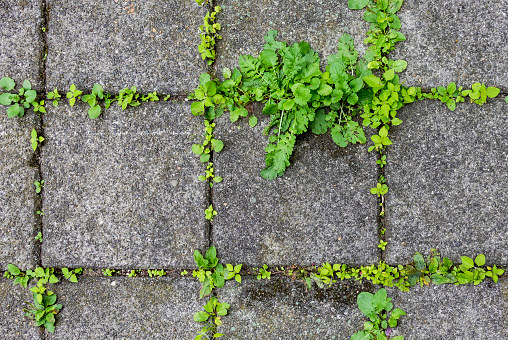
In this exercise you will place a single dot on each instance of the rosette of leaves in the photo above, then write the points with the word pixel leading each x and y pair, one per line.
pixel 17 102
pixel 93 100
pixel 379 309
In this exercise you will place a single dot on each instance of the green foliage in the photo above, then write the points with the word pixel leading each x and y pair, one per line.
pixel 479 93
pixel 209 174
pixel 39 107
pixel 128 97
pixel 381 161
pixel 43 311
pixel 382 245
pixel 133 273
pixel 35 140
pixel 39 237
pixel 210 213
pixel 55 96
pixel 213 310
pixel 20 101
pixel 209 29
pixel 151 97
pixel 234 272
pixel 72 275
pixel 155 273
pixel 209 143
pixel 73 94
pixel 108 272
pixel 263 272
pixel 379 190
pixel 379 309
pixel 38 186
pixel 93 101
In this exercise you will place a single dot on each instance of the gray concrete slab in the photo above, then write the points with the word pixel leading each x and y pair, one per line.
pixel 122 190
pixel 18 170
pixel 245 23
pixel 453 312
pixel 460 41
pixel 447 174
pixel 127 308
pixel 283 309
pixel 21 42
pixel 13 323
pixel 151 44
pixel 320 210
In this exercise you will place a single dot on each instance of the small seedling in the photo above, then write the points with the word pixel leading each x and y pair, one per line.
pixel 73 94
pixel 40 213
pixel 155 272
pixel 382 244
pixel 210 213
pixel 38 186
pixel 55 96
pixel 150 97
pixel 381 161
pixel 39 237
pixel 108 272
pixel 263 272
pixel 210 29
pixel 379 190
pixel 39 107
pixel 167 97
pixel 92 99
pixel 133 273
pixel 128 97
pixel 18 102
pixel 43 310
pixel 183 273
pixel 71 275
pixel 234 272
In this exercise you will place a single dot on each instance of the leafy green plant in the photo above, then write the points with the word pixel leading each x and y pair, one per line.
pixel 210 272
pixel 210 175
pixel 382 245
pixel 184 272
pixel 150 97
pixel 263 272
pixel 133 273
pixel 39 212
pixel 381 161
pixel 233 272
pixel 209 29
pixel 379 309
pixel 55 96
pixel 155 273
pixel 209 143
pixel 18 102
pixel 379 190
pixel 479 93
pixel 35 140
pixel 167 97
pixel 108 272
pixel 210 213
pixel 71 274
pixel 73 94
pixel 39 237
pixel 38 186
pixel 128 96
pixel 43 311
pixel 213 310
pixel 92 99
pixel 39 107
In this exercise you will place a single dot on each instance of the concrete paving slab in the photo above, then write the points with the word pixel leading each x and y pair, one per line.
pixel 460 41
pixel 245 23
pixel 18 171
pixel 127 308
pixel 13 324
pixel 453 312
pixel 151 44
pixel 447 174
pixel 320 210
pixel 21 42
pixel 283 309
pixel 122 191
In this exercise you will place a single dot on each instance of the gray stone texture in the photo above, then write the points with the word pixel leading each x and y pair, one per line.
pixel 460 41
pixel 127 308
pixel 121 191
pixel 448 173
pixel 13 323
pixel 151 44
pixel 319 210
pixel 283 309
pixel 453 312
pixel 18 170
pixel 245 23
pixel 21 42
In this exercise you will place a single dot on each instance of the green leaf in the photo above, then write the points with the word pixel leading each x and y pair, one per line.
pixel 13 269
pixel 492 92
pixel 325 90
pixel 13 110
pixel 197 149
pixel 211 254
pixel 451 104
pixel 388 75
pixel 5 99
pixel 94 112
pixel 253 121
pixel 480 260
pixel 53 279
pixel 226 73
pixel 319 125
pixel 218 145
pixel 364 301
pixel 362 335
pixel 30 96
pixel 419 261
pixel 198 108
pixel 269 58
pixel 356 84
pixel 451 88
pixel 302 94
pixel 467 262
pixel 201 316
pixel 222 308
pixel 73 278
pixel 357 4
pixel 394 6
pixel 50 327
pixel 399 65
pixel 372 80
pixel 7 83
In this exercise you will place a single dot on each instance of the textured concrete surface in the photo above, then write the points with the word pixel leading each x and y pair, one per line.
pixel 21 43
pixel 283 309
pixel 151 44
pixel 448 173
pixel 453 312
pixel 321 24
pixel 460 41
pixel 127 308
pixel 320 210
pixel 13 324
pixel 18 170
pixel 122 190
